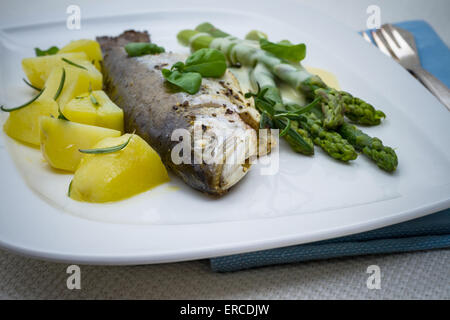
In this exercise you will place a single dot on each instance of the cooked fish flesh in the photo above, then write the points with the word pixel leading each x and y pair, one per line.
pixel 154 109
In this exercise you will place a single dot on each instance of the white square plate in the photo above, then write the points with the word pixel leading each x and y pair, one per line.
pixel 310 199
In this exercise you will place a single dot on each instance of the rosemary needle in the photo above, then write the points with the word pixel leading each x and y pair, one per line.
pixel 73 63
pixel 30 85
pixel 25 104
pixel 61 84
pixel 107 149
pixel 70 188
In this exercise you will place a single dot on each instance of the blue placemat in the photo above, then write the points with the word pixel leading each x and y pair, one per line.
pixel 430 232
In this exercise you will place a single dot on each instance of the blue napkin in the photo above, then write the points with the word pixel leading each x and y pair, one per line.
pixel 429 232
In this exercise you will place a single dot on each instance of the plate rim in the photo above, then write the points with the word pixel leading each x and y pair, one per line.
pixel 443 202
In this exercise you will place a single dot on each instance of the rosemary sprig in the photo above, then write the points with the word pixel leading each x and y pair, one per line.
pixel 30 85
pixel 61 116
pixel 73 63
pixel 91 96
pixel 295 111
pixel 23 105
pixel 70 188
pixel 286 128
pixel 61 84
pixel 94 100
pixel 107 149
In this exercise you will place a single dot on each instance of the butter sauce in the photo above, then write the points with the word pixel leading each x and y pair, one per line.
pixel 287 93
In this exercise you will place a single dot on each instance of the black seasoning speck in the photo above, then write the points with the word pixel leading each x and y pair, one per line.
pixel 175 108
pixel 204 127
pixel 240 107
pixel 185 104
pixel 214 115
pixel 229 111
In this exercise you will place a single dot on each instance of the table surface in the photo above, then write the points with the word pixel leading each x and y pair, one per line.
pixel 419 275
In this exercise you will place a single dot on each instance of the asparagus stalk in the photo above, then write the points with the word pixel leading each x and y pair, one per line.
pixel 385 157
pixel 331 142
pixel 333 103
pixel 269 103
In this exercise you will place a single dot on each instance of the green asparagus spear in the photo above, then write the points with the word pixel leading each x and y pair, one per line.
pixel 210 29
pixel 331 142
pixel 333 103
pixel 383 156
pixel 361 112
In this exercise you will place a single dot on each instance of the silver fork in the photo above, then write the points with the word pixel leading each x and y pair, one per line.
pixel 393 43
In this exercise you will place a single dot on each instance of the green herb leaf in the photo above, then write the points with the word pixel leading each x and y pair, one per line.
pixel 94 100
pixel 178 66
pixel 208 62
pixel 61 84
pixel 284 49
pixel 108 149
pixel 30 85
pixel 137 49
pixel 70 188
pixel 23 105
pixel 189 81
pixel 73 63
pixel 50 51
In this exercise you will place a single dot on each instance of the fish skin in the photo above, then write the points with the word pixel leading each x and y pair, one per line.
pixel 154 109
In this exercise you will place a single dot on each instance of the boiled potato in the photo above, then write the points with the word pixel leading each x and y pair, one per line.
pixel 38 69
pixel 90 47
pixel 103 114
pixel 62 139
pixel 117 175
pixel 23 124
pixel 77 82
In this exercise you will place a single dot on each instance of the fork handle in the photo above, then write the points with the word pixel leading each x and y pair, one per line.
pixel 433 84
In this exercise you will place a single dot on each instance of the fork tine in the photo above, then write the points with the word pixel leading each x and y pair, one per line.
pixel 388 28
pixel 366 37
pixel 391 43
pixel 380 44
pixel 399 38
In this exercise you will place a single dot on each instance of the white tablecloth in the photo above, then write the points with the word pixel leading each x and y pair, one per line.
pixel 419 275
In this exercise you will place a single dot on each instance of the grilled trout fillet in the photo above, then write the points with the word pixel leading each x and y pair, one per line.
pixel 155 109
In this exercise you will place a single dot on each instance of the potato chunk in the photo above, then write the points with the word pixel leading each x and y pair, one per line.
pixel 118 175
pixel 61 139
pixel 104 113
pixel 23 124
pixel 38 69
pixel 77 82
pixel 90 47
